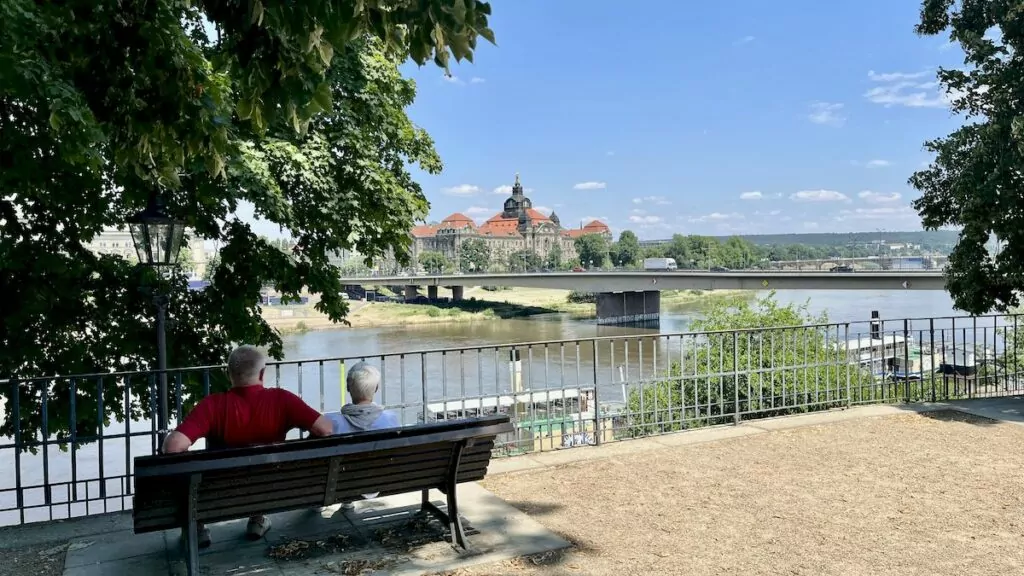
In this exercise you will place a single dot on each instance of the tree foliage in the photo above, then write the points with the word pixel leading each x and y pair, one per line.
pixel 524 261
pixel 592 248
pixel 433 262
pixel 553 259
pixel 299 113
pixel 739 360
pixel 474 255
pixel 627 249
pixel 975 181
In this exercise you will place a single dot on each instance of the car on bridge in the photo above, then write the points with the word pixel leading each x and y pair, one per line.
pixel 843 268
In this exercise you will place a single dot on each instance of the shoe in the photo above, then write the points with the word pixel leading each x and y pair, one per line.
pixel 257 527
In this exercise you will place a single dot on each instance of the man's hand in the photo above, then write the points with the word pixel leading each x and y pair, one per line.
pixel 176 442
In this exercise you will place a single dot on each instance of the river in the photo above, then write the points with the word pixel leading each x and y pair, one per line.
pixel 840 305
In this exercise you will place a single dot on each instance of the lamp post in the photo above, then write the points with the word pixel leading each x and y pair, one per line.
pixel 157 238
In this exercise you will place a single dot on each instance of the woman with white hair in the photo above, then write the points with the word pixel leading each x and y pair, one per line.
pixel 363 382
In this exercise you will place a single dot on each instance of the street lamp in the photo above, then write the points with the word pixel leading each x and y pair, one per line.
pixel 157 238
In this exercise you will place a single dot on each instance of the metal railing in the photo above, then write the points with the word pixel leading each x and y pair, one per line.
pixel 70 440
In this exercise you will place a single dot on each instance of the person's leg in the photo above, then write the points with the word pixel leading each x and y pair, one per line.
pixel 257 527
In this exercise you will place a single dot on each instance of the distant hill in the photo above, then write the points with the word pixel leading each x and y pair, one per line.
pixel 939 239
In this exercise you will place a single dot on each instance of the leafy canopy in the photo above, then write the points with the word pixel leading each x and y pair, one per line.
pixel 296 110
pixel 975 181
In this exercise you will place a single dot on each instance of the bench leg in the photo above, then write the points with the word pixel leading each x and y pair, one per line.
pixel 191 529
pixel 451 518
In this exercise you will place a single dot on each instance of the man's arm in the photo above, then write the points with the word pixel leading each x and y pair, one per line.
pixel 301 415
pixel 195 426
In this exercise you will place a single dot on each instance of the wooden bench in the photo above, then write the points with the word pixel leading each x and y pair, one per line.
pixel 176 490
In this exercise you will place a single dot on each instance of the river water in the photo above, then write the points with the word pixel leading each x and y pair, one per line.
pixel 444 376
pixel 840 305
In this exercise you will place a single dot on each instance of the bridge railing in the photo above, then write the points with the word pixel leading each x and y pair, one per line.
pixel 70 441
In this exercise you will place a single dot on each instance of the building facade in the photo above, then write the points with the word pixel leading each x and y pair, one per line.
pixel 518 227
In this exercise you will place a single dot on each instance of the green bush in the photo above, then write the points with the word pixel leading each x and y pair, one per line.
pixel 576 297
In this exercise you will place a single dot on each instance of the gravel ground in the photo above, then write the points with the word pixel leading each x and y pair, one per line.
pixel 939 494
pixel 37 560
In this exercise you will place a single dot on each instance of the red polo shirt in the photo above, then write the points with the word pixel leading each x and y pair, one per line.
pixel 247 416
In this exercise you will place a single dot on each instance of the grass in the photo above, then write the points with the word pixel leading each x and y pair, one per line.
pixel 481 304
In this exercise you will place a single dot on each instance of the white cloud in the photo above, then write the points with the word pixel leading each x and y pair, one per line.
pixel 827 113
pixel 639 219
pixel 452 79
pixel 895 76
pixel 478 211
pixel 744 40
pixel 718 217
pixel 755 195
pixel 811 225
pixel 659 200
pixel 476 80
pixel 879 197
pixel 590 186
pixel 878 163
pixel 506 190
pixel 461 190
pixel 769 213
pixel 906 89
pixel 544 210
pixel 819 196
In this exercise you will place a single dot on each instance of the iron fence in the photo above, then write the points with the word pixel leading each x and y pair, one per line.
pixel 70 441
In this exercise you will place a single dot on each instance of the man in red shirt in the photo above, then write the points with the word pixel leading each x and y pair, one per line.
pixel 246 415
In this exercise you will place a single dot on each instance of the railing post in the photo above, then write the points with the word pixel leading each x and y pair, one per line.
pixel 597 405
pixel 423 380
pixel 16 418
pixel 906 361
pixel 846 362
pixel 931 353
pixel 736 377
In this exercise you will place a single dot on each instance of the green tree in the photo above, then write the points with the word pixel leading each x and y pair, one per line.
pixel 738 360
pixel 974 181
pixel 592 250
pixel 434 262
pixel 474 255
pixel 553 259
pixel 298 112
pixel 627 249
pixel 524 261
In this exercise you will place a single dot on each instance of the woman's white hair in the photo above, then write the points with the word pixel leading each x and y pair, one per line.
pixel 363 381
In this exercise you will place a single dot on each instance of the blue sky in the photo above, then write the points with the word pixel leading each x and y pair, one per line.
pixel 737 116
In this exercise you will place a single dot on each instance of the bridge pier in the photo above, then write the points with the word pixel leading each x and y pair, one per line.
pixel 628 307
pixel 411 292
pixel 457 293
pixel 432 293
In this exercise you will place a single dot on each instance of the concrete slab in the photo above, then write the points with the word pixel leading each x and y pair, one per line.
pixel 827 417
pixel 382 536
pixel 1007 409
pixel 702 435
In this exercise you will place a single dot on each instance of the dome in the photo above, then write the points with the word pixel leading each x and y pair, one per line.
pixel 554 218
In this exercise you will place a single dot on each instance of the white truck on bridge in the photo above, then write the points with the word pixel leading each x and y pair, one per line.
pixel 659 264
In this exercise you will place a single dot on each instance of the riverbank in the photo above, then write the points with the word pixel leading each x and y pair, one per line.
pixel 478 305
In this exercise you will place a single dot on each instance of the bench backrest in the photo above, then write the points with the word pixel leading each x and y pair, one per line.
pixel 240 482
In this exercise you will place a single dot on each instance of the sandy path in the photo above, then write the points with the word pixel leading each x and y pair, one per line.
pixel 910 494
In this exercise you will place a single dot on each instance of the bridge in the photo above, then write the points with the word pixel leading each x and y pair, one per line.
pixel 927 262
pixel 635 296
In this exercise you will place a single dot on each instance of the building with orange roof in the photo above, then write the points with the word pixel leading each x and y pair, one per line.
pixel 518 227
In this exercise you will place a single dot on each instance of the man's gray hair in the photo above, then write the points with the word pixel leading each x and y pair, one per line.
pixel 363 380
pixel 244 365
